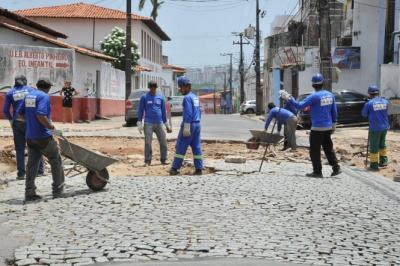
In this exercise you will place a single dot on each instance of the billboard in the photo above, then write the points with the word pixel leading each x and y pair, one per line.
pixel 35 61
pixel 347 57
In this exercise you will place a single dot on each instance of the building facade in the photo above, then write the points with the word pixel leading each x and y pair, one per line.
pixel 87 25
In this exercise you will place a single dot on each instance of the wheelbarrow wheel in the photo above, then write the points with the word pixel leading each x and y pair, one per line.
pixel 96 183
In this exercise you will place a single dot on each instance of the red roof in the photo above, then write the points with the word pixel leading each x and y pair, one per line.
pixel 78 49
pixel 21 19
pixel 84 10
pixel 174 68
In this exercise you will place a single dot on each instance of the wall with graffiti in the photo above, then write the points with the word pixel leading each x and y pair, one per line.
pixel 34 62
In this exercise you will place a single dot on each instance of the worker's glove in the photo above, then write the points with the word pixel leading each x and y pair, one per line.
pixel 139 127
pixel 168 127
pixel 333 128
pixel 284 95
pixel 56 132
pixel 186 129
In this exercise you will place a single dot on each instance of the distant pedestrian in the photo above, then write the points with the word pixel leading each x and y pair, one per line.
pixel 286 118
pixel 376 110
pixel 323 124
pixel 39 134
pixel 14 99
pixel 189 134
pixel 68 92
pixel 152 108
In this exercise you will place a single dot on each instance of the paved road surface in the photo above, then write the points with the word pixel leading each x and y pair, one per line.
pixel 277 215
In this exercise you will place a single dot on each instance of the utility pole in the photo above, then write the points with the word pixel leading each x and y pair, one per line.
pixel 241 66
pixel 325 42
pixel 259 93
pixel 128 50
pixel 230 79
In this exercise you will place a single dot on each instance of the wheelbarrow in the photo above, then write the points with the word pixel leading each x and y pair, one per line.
pixel 84 160
pixel 263 138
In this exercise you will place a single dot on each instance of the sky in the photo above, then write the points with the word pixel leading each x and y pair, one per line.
pixel 200 30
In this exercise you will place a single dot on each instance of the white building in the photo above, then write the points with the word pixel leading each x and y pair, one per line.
pixel 29 48
pixel 87 25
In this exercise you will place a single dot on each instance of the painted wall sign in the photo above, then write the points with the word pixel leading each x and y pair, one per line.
pixel 35 62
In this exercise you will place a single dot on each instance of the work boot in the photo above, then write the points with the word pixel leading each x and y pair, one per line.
pixel 336 170
pixel 373 167
pixel 58 193
pixel 198 172
pixel 21 177
pixel 164 163
pixel 173 171
pixel 41 174
pixel 315 175
pixel 383 161
pixel 147 163
pixel 285 148
pixel 32 197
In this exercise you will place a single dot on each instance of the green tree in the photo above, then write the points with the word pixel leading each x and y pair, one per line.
pixel 114 45
pixel 156 6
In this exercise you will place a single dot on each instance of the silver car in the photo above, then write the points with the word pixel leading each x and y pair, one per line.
pixel 176 104
pixel 248 107
pixel 132 105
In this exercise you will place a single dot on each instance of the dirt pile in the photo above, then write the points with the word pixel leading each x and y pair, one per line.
pixel 129 152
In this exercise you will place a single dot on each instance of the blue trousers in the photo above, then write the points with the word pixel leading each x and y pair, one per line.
pixel 182 143
pixel 20 144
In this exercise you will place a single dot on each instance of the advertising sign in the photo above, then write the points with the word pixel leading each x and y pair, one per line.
pixel 347 57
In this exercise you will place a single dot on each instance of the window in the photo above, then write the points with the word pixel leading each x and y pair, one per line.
pixel 142 44
pixel 352 97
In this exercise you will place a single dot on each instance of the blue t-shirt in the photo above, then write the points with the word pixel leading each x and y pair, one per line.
pixel 153 109
pixel 36 103
pixel 15 98
pixel 191 108
pixel 376 110
pixel 290 107
pixel 280 114
pixel 323 108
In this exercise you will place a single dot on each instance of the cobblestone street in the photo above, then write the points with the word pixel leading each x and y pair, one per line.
pixel 276 215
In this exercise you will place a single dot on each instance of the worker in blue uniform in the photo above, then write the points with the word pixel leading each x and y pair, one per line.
pixel 14 99
pixel 376 110
pixel 152 108
pixel 189 134
pixel 39 135
pixel 286 118
pixel 323 124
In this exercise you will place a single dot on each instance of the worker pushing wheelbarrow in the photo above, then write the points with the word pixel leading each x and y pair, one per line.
pixel 84 160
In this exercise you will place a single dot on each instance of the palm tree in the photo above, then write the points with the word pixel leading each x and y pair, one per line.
pixel 156 5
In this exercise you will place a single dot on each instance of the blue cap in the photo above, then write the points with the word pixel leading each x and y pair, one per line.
pixel 317 79
pixel 183 81
pixel 373 89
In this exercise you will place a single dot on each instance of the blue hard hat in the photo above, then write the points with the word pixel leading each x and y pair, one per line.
pixel 373 89
pixel 183 81
pixel 317 79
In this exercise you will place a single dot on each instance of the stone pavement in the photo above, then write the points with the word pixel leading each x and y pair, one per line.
pixel 277 215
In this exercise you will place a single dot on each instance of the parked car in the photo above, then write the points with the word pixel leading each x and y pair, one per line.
pixel 176 104
pixel 248 107
pixel 349 105
pixel 132 105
